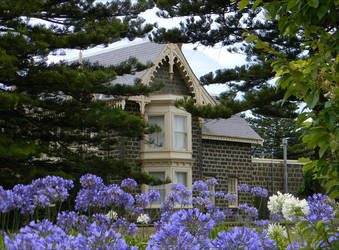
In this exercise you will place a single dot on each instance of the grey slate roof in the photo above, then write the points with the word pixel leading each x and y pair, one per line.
pixel 235 126
pixel 144 52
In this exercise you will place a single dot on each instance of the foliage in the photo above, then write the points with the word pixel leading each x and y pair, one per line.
pixel 312 79
pixel 49 120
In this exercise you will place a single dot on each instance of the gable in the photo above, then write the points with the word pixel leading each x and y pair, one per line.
pixel 174 84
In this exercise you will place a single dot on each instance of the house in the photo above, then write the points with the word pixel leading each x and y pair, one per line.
pixel 187 148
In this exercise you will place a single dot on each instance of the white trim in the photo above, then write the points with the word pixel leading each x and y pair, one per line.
pixel 232 138
pixel 277 161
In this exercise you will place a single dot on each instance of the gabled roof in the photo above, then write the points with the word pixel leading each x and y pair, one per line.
pixel 235 128
pixel 156 54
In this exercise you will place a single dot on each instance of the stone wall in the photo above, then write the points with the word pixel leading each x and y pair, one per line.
pixel 269 173
pixel 223 160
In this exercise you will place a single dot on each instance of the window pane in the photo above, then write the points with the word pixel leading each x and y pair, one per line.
pixel 157 139
pixel 179 140
pixel 160 188
pixel 179 133
pixel 180 177
pixel 179 123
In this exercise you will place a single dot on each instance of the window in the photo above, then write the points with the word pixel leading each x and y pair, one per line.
pixel 180 132
pixel 233 189
pixel 157 139
pixel 160 188
pixel 181 178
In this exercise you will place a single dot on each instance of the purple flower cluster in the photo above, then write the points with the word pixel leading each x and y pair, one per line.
pixel 320 209
pixel 251 212
pixel 46 235
pixel 185 229
pixel 43 192
pixel 95 194
pixel 244 188
pixel 129 184
pixel 259 191
pixel 243 238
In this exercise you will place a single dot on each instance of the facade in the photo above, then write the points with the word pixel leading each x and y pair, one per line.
pixel 187 148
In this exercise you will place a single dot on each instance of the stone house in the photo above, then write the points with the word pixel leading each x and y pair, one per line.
pixel 187 148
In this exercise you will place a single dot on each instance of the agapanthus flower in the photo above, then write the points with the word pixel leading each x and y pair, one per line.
pixel 320 208
pixel 259 191
pixel 153 196
pixel 212 182
pixel 243 238
pixel 91 181
pixel 50 190
pixel 173 237
pixel 183 194
pixel 275 202
pixel 22 198
pixel 231 197
pixel 112 215
pixel 129 184
pixel 125 227
pixel 6 200
pixel 199 186
pixel 275 231
pixel 244 188
pixel 190 225
pixel 294 209
pixel 101 220
pixel 68 220
pixel 38 235
pixel 143 219
pixel 142 200
pixel 261 223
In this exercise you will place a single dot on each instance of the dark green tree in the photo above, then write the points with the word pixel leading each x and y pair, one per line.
pixel 273 130
pixel 221 23
pixel 48 117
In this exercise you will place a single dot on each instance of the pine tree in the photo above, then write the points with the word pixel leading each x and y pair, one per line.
pixel 221 23
pixel 48 117
pixel 273 130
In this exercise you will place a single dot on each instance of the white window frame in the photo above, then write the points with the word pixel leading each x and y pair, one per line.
pixel 233 189
pixel 185 132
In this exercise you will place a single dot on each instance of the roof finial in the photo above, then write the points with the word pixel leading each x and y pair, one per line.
pixel 80 60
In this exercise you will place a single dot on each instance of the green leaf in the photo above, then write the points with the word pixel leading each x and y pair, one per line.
pixel 291 4
pixel 330 184
pixel 334 194
pixel 308 167
pixel 243 4
pixel 313 3
pixel 312 99
pixel 321 12
pixel 256 4
pixel 304 160
pixel 323 150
